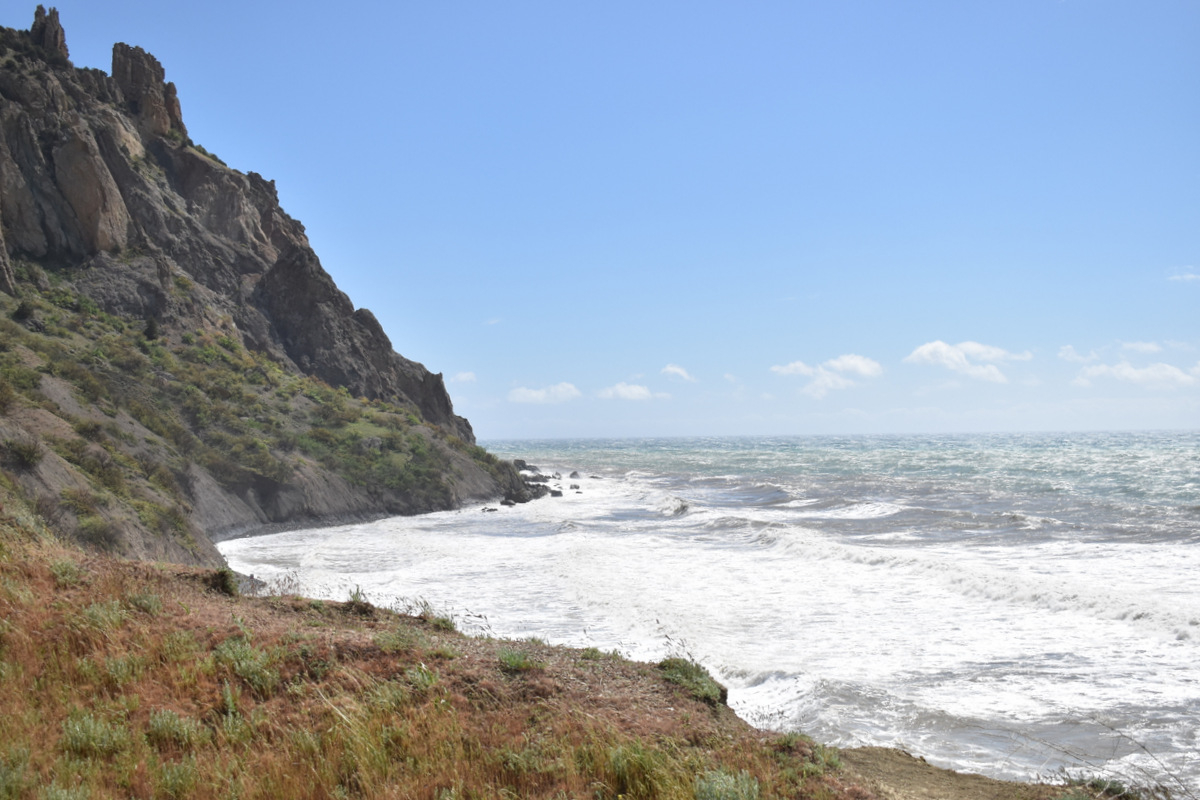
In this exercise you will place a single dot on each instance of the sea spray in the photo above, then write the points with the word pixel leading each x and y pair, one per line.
pixel 1012 605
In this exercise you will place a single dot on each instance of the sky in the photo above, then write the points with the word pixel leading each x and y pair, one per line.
pixel 717 218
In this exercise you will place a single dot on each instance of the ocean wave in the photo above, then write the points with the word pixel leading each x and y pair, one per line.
pixel 854 510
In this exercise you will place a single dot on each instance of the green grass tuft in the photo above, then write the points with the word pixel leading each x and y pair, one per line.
pixel 694 679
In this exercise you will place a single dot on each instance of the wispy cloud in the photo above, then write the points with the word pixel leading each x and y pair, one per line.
pixel 1185 274
pixel 1069 353
pixel 794 368
pixel 1158 376
pixel 463 377
pixel 678 372
pixel 558 393
pixel 1142 347
pixel 858 365
pixel 831 374
pixel 631 391
pixel 964 359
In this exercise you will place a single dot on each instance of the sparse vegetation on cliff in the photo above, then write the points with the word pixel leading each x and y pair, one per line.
pixel 128 419
pixel 175 364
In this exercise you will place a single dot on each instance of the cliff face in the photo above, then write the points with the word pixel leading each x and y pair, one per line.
pixel 94 165
pixel 110 213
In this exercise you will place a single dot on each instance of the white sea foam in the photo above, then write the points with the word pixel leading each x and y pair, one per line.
pixel 921 613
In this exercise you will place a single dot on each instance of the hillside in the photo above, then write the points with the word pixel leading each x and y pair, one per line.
pixel 175 364
pixel 127 679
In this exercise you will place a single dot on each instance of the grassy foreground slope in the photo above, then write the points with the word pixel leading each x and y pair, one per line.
pixel 130 679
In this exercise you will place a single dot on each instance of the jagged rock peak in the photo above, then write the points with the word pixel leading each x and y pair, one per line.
pixel 47 32
pixel 152 100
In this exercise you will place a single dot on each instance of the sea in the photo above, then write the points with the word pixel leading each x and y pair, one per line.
pixel 1020 606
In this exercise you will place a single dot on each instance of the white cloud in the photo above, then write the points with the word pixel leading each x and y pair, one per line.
pixel 1142 347
pixel 1069 353
pixel 831 374
pixel 985 352
pixel 464 377
pixel 630 391
pixel 558 393
pixel 794 368
pixel 963 358
pixel 1187 274
pixel 1156 375
pixel 677 371
pixel 860 365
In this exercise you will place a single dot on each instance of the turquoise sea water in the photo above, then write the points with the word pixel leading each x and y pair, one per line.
pixel 1017 605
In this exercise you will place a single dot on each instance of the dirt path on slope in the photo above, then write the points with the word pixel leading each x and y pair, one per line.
pixel 896 775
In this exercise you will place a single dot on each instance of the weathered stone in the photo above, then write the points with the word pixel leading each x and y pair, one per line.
pixel 8 281
pixel 89 189
pixel 141 79
pixel 101 188
pixel 47 32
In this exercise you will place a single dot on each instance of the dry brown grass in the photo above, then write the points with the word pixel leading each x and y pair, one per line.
pixel 125 679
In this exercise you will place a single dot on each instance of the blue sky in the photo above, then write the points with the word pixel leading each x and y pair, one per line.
pixel 608 219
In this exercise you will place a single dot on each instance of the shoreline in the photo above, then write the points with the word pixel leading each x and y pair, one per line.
pixel 920 762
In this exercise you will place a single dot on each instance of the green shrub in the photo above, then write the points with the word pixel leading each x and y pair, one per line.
pixel 248 663
pixel 358 604
pixel 80 792
pixel 23 311
pixel 223 580
pixel 421 678
pixel 722 785
pixel 637 771
pixel 176 779
pixel 20 377
pixel 106 615
pixel 168 730
pixel 14 777
pixel 90 430
pixel 88 736
pixel 122 670
pixel 98 532
pixel 146 602
pixel 694 679
pixel 23 453
pixel 81 501
pixel 66 573
pixel 518 661
pixel 8 397
pixel 179 646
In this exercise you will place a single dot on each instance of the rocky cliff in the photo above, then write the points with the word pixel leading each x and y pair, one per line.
pixel 143 272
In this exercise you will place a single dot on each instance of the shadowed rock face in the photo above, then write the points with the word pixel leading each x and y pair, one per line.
pixel 97 174
pixel 47 32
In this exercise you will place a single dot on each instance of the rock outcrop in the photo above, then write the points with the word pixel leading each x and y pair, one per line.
pixel 47 32
pixel 110 212
pixel 148 97
pixel 94 166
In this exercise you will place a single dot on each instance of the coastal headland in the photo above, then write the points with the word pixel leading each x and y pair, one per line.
pixel 176 367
